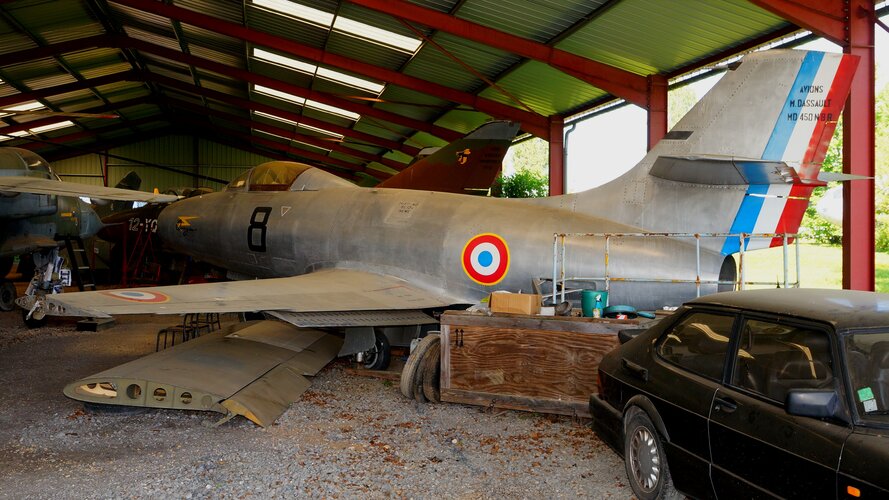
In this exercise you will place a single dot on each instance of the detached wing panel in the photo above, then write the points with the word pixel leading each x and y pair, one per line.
pixel 32 185
pixel 329 290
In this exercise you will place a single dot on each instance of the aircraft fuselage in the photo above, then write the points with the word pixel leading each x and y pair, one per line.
pixel 422 237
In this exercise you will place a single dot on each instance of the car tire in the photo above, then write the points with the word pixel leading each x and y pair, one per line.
pixel 644 458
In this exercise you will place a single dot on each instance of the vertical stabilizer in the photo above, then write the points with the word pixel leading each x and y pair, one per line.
pixel 463 166
pixel 744 159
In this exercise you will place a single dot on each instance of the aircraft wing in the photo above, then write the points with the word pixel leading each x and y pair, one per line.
pixel 33 185
pixel 327 291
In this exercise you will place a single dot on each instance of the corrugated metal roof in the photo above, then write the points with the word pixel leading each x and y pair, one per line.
pixel 481 81
pixel 651 36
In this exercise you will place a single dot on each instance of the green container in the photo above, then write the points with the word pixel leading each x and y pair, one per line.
pixel 593 299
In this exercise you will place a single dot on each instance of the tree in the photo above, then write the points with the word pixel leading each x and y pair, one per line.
pixel 523 183
pixel 816 227
pixel 679 101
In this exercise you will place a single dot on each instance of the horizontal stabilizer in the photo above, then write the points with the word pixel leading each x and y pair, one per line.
pixel 254 369
pixel 839 177
pixel 722 171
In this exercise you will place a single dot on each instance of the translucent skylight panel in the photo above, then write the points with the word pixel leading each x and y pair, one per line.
pixel 298 125
pixel 332 110
pixel 311 69
pixel 297 10
pixel 28 106
pixel 284 96
pixel 12 135
pixel 287 62
pixel 52 126
pixel 289 140
pixel 376 35
pixel 326 108
pixel 342 24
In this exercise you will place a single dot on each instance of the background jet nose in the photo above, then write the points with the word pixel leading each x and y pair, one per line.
pixel 90 223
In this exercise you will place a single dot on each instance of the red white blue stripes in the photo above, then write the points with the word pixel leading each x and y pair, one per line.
pixel 799 137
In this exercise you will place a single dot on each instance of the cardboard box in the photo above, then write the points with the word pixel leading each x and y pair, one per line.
pixel 514 303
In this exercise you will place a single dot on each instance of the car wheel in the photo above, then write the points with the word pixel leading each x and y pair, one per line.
pixel 378 357
pixel 644 458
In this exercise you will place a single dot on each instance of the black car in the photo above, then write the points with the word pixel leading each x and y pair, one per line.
pixel 781 392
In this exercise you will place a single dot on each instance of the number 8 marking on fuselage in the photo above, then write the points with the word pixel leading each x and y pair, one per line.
pixel 260 224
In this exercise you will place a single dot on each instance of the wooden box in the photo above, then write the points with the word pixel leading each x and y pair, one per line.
pixel 534 363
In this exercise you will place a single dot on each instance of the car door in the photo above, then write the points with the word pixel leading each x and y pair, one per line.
pixel 756 446
pixel 691 364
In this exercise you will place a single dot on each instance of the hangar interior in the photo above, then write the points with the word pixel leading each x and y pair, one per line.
pixel 196 91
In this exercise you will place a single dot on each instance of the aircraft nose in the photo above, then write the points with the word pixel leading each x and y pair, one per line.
pixel 90 223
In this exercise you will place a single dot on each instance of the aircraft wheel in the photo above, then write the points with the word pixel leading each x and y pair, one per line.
pixel 36 320
pixel 431 368
pixel 409 375
pixel 378 357
pixel 7 296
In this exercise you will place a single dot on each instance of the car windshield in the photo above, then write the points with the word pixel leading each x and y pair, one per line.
pixel 867 357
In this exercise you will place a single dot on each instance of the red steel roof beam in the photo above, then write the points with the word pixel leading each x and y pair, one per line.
pixel 287 133
pixel 83 134
pixel 826 18
pixel 531 122
pixel 849 23
pixel 308 155
pixel 105 145
pixel 859 155
pixel 43 93
pixel 621 83
pixel 123 42
pixel 657 109
pixel 556 156
pixel 55 119
pixel 257 106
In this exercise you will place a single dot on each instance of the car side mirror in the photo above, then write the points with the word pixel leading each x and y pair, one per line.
pixel 816 403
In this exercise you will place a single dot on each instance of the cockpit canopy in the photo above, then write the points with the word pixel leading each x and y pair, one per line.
pixel 285 176
pixel 18 161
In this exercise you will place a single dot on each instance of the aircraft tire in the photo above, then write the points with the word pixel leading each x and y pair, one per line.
pixel 432 374
pixel 378 358
pixel 36 320
pixel 7 296
pixel 420 374
pixel 409 373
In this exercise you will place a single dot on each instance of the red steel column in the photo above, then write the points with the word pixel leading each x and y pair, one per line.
pixel 858 153
pixel 657 109
pixel 556 155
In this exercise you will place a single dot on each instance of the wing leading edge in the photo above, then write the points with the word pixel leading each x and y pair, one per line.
pixel 329 290
pixel 33 185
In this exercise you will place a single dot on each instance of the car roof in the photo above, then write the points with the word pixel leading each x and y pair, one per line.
pixel 844 309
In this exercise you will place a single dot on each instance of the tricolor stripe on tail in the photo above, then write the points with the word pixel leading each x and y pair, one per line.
pixel 800 138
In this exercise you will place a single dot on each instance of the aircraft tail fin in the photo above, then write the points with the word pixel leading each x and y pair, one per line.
pixel 744 159
pixel 463 166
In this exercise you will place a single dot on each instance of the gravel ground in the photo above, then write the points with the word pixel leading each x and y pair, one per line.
pixel 348 436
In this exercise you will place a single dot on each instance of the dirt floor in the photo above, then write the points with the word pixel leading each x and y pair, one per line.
pixel 348 436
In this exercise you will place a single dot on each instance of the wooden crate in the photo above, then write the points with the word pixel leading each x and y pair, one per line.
pixel 534 363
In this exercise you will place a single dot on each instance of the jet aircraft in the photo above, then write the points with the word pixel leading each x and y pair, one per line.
pixel 315 250
pixel 38 211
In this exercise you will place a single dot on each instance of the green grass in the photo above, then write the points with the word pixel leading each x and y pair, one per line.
pixel 820 267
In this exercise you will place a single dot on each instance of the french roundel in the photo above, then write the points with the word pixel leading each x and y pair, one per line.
pixel 486 259
pixel 137 296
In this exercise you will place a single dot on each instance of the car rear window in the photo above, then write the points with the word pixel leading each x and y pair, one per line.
pixel 698 343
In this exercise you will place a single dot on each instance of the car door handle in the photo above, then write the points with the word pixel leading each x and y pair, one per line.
pixel 635 369
pixel 725 405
